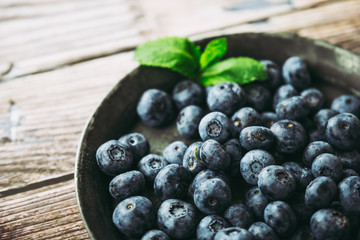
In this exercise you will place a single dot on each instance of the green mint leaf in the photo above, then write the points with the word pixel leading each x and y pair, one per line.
pixel 214 50
pixel 178 54
pixel 240 70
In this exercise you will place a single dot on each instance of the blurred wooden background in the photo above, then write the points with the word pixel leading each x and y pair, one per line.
pixel 58 59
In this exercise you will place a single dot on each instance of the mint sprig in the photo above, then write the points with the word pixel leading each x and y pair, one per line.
pixel 178 54
pixel 181 55
pixel 240 70
pixel 213 52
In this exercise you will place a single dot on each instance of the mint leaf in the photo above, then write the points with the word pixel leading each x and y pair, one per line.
pixel 178 54
pixel 240 70
pixel 214 50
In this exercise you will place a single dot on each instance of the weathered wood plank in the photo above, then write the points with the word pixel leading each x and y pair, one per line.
pixel 53 109
pixel 190 17
pixel 38 37
pixel 306 3
pixel 20 3
pixel 45 8
pixel 343 33
pixel 323 22
pixel 76 31
pixel 45 213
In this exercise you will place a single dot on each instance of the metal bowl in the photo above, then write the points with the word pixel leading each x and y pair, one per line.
pixel 334 70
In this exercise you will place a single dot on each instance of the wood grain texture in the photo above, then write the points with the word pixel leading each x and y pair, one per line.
pixel 347 38
pixel 52 109
pixel 45 213
pixel 40 36
pixel 178 18
pixel 42 115
pixel 323 22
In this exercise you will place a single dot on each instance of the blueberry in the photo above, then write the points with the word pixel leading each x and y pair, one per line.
pixel 134 216
pixel 243 118
pixel 337 206
pixel 350 159
pixel 226 98
pixel 212 196
pixel 205 175
pixel 347 104
pixel 155 108
pixel 282 93
pixel 354 220
pixel 329 224
pixel 150 166
pixel 274 74
pixel 207 89
pixel 188 121
pixel 303 233
pixel 314 98
pixel 174 152
pixel 320 193
pixel 314 149
pixel 172 182
pixel 348 172
pixel 214 156
pixel 215 125
pixel 234 233
pixel 258 97
pixel 329 165
pixel 127 184
pixel 256 201
pixel 256 137
pixel 114 158
pixel 252 163
pixel 317 135
pixel 235 151
pixel 177 218
pixel 302 212
pixel 209 226
pixel 349 194
pixel 296 73
pixel 322 117
pixel 238 215
pixel 137 143
pixel 290 136
pixel 307 123
pixel 281 158
pixel 155 235
pixel 187 93
pixel 262 231
pixel 191 160
pixel 276 183
pixel 303 175
pixel 293 108
pixel 268 118
pixel 281 218
pixel 343 131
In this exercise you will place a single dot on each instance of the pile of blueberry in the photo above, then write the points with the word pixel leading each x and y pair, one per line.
pixel 267 161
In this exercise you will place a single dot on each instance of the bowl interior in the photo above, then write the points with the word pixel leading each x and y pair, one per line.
pixel 334 70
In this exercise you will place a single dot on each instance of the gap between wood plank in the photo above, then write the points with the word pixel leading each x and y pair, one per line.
pixel 85 59
pixel 35 185
pixel 130 48
pixel 49 212
pixel 66 176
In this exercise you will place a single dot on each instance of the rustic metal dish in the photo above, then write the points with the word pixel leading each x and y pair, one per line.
pixel 334 70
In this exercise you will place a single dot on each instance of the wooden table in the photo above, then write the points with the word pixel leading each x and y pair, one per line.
pixel 58 59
